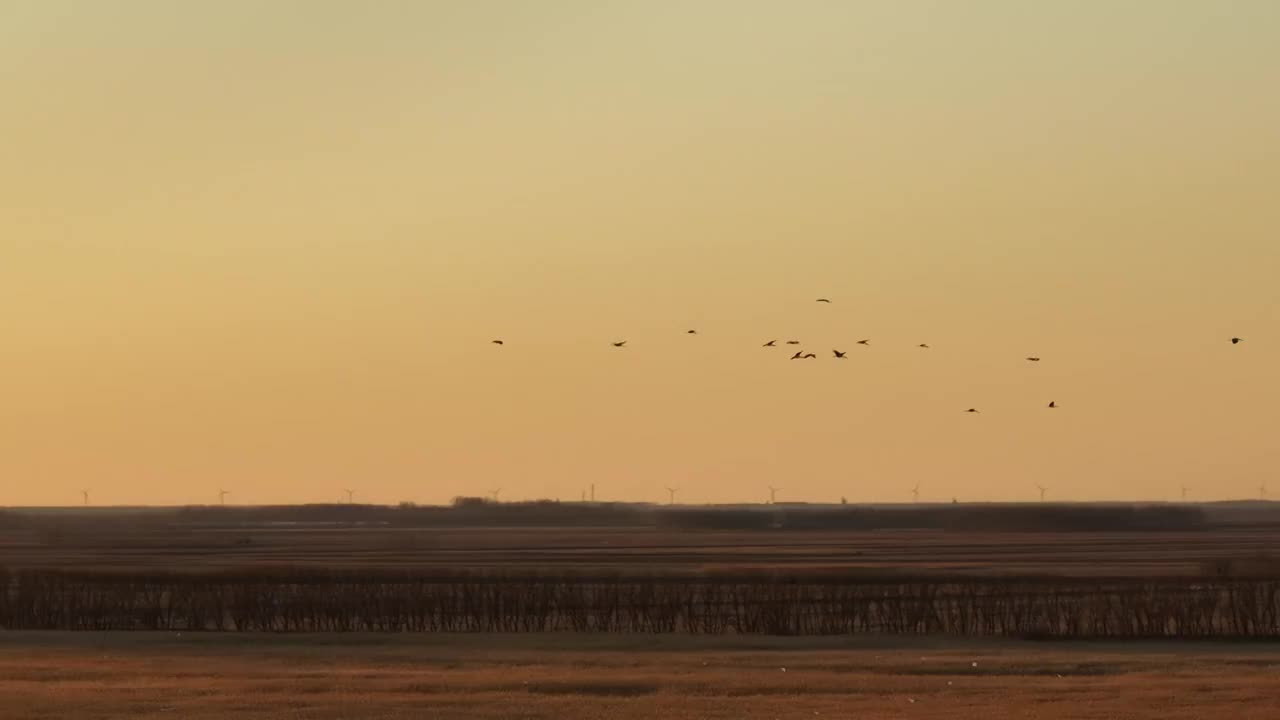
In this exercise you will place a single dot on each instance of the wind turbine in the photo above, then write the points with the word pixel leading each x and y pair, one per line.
pixel 1262 490
pixel 671 492
pixel 1042 490
pixel 222 496
pixel 773 495
pixel 1184 489
pixel 84 494
pixel 495 493
pixel 915 493
pixel 350 493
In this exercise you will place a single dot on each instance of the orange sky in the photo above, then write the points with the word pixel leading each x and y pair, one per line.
pixel 265 249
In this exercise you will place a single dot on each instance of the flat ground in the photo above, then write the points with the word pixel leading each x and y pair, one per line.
pixel 141 675
pixel 634 549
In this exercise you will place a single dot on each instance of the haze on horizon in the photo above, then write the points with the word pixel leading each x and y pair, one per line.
pixel 264 247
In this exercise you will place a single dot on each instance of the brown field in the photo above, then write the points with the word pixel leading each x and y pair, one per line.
pixel 207 675
pixel 142 675
pixel 644 549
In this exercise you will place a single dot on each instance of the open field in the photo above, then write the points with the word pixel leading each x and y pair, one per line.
pixel 142 675
pixel 643 549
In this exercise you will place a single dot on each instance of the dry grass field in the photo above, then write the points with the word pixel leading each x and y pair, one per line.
pixel 208 676
pixel 643 549
pixel 140 675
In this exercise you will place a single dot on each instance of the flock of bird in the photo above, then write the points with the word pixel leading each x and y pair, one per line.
pixel 843 354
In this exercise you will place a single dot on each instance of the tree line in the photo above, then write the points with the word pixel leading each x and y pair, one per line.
pixel 477 512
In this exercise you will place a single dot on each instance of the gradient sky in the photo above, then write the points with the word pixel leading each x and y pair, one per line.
pixel 264 245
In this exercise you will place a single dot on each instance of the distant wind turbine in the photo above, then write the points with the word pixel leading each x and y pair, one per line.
pixel 495 493
pixel 222 496
pixel 671 495
pixel 1042 490
pixel 773 495
pixel 84 495
pixel 1262 490
pixel 1184 490
pixel 915 493
pixel 350 494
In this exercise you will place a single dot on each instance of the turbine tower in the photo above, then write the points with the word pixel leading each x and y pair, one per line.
pixel 1184 490
pixel 1042 490
pixel 915 493
pixel 671 495
pixel 494 494
pixel 222 496
pixel 773 495
pixel 84 495
pixel 1262 490
pixel 350 494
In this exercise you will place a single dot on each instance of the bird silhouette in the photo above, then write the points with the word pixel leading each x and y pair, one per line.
pixel 972 410
pixel 823 300
pixel 799 354
pixel 619 344
pixel 1053 404
pixel 1236 340
pixel 807 356
pixel 838 354
pixel 498 342
pixel 923 345
pixel 771 343
pixel 1033 359
pixel 793 342
pixel 691 332
pixel 864 342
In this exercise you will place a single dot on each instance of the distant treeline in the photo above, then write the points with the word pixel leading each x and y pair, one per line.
pixel 473 512
pixel 312 601
pixel 957 517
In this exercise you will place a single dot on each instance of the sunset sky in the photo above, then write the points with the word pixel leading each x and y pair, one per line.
pixel 264 246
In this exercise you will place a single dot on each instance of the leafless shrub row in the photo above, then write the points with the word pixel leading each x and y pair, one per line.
pixel 310 601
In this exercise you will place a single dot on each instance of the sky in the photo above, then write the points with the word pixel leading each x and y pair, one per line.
pixel 264 247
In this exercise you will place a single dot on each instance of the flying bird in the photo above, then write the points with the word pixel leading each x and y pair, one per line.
pixel 972 410
pixel 1236 340
pixel 622 343
pixel 839 354
pixel 1033 359
pixel 691 332
pixel 771 343
pixel 799 354
pixel 823 300
pixel 498 342
pixel 806 356
pixel 793 342
pixel 1053 404
pixel 923 345
pixel 864 342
